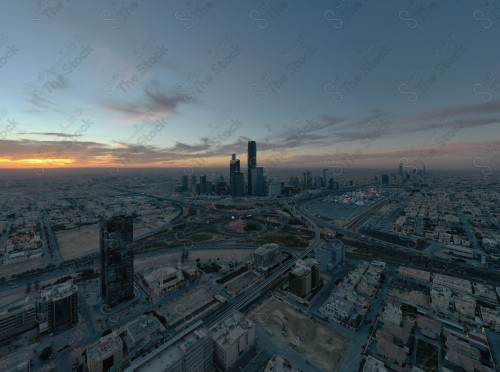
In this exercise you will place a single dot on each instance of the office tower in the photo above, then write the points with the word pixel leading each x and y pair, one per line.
pixel 400 170
pixel 234 164
pixel 220 188
pixel 385 179
pixel 304 277
pixel 325 181
pixel 304 180
pixel 275 188
pixel 423 170
pixel 318 182
pixel 234 168
pixel 203 185
pixel 237 186
pixel 192 186
pixel 299 280
pixel 330 255
pixel 259 187
pixel 117 262
pixel 308 180
pixel 315 271
pixel 184 182
pixel 251 163
pixel 61 304
pixel 210 188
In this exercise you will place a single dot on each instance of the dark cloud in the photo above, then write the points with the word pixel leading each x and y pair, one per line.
pixel 57 134
pixel 156 103
pixel 474 109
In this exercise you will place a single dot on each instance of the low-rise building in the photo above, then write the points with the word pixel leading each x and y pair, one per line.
pixel 232 337
pixel 411 273
pixel 16 319
pixel 265 253
pixel 163 279
pixel 278 364
pixel 391 352
pixel 457 284
pixel 106 352
pixel 141 334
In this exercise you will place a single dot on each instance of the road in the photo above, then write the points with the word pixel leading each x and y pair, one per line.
pixel 51 240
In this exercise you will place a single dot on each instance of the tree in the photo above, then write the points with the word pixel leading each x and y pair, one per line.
pixel 46 353
pixel 106 332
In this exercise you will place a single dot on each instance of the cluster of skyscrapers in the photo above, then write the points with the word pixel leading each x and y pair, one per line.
pixel 256 184
pixel 256 180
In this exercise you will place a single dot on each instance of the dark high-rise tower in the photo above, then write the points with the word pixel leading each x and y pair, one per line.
pixel 235 177
pixel 117 262
pixel 184 182
pixel 203 185
pixel 252 163
pixel 234 164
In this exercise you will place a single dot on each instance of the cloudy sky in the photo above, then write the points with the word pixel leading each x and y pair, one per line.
pixel 316 83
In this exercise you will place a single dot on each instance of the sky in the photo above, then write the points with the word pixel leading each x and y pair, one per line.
pixel 353 84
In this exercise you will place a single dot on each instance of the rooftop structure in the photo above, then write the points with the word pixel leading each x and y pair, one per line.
pixel 163 279
pixel 278 364
pixel 142 332
pixel 233 336
pixel 452 282
pixel 416 274
pixel 61 304
pixel 265 253
pixel 102 354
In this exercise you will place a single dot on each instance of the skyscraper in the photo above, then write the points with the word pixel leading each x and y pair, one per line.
pixel 117 263
pixel 234 168
pixel 184 182
pixel 61 302
pixel 203 185
pixel 192 185
pixel 237 184
pixel 234 164
pixel 259 182
pixel 251 163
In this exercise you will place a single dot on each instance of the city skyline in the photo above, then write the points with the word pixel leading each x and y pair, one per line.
pixel 360 85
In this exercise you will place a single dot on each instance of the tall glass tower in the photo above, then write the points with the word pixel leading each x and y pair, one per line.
pixel 117 262
pixel 252 163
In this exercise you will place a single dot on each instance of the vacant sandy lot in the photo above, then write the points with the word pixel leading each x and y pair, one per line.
pixel 77 242
pixel 185 305
pixel 315 346
pixel 173 258
pixel 242 281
